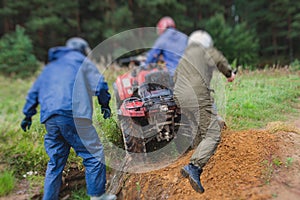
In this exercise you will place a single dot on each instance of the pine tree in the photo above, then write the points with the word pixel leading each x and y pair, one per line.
pixel 237 43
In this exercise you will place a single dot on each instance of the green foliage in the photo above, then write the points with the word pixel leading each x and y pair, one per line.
pixel 80 195
pixel 274 25
pixel 26 157
pixel 282 35
pixel 36 181
pixel 54 22
pixel 237 42
pixel 198 12
pixel 16 56
pixel 109 129
pixel 117 21
pixel 268 170
pixel 138 186
pixel 289 161
pixel 270 165
pixel 7 182
pixel 295 65
pixel 277 162
pixel 295 25
pixel 148 13
pixel 23 151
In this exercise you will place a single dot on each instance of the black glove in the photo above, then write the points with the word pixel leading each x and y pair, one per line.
pixel 26 123
pixel 106 112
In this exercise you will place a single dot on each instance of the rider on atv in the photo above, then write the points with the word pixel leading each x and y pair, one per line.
pixel 170 45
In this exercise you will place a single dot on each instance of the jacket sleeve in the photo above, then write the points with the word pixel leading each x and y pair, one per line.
pixel 154 53
pixel 32 100
pixel 97 84
pixel 220 61
pixel 102 93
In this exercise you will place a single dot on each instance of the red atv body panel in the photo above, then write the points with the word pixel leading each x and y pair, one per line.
pixel 126 82
pixel 124 85
pixel 133 108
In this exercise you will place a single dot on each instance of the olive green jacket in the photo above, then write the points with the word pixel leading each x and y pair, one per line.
pixel 194 73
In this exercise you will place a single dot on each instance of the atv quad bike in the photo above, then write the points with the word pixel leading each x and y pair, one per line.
pixel 148 115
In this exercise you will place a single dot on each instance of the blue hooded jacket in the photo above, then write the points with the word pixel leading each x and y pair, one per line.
pixel 54 87
pixel 171 45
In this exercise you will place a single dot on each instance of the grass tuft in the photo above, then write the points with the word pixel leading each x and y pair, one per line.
pixel 7 182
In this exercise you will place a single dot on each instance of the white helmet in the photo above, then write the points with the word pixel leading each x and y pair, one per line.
pixel 201 37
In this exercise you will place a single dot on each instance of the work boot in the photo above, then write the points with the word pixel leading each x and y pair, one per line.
pixel 105 197
pixel 193 173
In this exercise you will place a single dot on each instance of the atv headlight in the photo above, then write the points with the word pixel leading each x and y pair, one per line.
pixel 164 108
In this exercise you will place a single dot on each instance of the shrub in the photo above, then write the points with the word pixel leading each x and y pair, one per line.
pixel 16 56
pixel 295 65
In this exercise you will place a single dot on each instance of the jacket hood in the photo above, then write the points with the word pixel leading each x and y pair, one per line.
pixel 58 52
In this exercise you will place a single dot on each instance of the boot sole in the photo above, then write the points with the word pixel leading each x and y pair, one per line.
pixel 184 173
pixel 195 186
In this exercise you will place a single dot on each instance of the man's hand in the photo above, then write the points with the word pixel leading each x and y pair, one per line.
pixel 26 123
pixel 106 112
pixel 230 79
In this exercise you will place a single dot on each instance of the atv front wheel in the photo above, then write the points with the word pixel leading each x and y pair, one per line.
pixel 132 135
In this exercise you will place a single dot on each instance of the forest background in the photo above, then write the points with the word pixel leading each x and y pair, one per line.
pixel 255 34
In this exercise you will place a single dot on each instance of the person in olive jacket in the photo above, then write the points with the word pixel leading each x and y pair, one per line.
pixel 193 93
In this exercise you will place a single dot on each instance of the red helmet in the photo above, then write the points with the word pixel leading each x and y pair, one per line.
pixel 164 23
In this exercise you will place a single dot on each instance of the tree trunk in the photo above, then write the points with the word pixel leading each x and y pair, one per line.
pixel 274 42
pixel 290 39
pixel 78 18
pixel 6 23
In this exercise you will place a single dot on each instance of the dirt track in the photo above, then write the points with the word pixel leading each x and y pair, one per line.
pixel 249 164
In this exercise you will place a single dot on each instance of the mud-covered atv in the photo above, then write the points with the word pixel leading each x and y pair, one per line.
pixel 148 115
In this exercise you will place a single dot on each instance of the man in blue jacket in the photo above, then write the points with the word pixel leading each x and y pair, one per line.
pixel 64 91
pixel 170 45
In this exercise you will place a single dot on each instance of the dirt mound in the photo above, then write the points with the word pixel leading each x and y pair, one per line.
pixel 243 167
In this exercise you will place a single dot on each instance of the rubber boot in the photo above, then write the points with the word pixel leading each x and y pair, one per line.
pixel 105 197
pixel 193 173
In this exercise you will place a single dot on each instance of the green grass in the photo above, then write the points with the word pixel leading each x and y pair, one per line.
pixel 259 97
pixel 7 182
pixel 80 195
pixel 289 162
